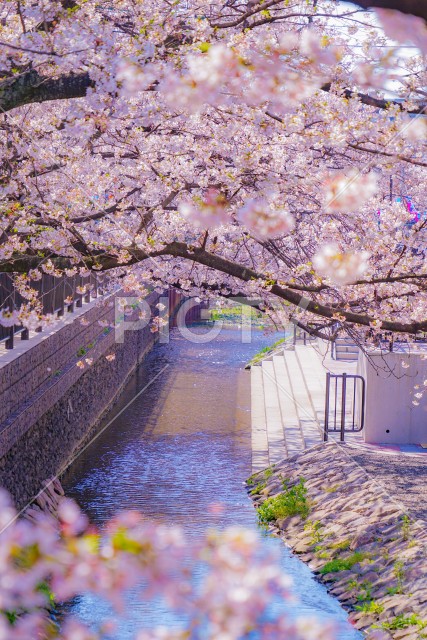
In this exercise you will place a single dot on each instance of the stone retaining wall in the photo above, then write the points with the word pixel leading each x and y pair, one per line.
pixel 52 402
pixel 355 537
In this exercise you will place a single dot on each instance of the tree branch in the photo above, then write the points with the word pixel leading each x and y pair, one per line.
pixel 30 87
pixel 105 262
pixel 415 7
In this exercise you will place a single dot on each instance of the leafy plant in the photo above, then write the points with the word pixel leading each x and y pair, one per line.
pixel 402 622
pixel 399 573
pixel 342 545
pixel 259 487
pixel 268 473
pixel 343 564
pixel 370 607
pixel 293 501
pixel 406 527
pixel 365 594
pixel 315 530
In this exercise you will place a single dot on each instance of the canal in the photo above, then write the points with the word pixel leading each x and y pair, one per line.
pixel 182 446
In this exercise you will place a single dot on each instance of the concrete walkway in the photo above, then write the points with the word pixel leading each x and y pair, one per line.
pixel 288 401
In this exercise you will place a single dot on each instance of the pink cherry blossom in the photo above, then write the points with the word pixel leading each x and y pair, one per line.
pixel 263 220
pixel 209 213
pixel 347 192
pixel 403 27
pixel 341 268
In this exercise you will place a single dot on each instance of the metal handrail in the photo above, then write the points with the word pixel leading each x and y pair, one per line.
pixel 342 429
pixel 53 293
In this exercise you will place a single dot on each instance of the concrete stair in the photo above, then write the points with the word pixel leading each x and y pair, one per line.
pixel 288 402
pixel 346 349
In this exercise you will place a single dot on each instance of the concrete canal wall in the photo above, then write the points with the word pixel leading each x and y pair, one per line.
pixel 55 392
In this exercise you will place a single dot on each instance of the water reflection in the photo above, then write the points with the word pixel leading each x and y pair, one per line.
pixel 181 446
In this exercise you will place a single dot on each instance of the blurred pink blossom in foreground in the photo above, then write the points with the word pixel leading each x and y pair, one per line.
pixel 59 559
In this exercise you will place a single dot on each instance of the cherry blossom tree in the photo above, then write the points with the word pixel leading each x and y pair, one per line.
pixel 251 149
pixel 49 558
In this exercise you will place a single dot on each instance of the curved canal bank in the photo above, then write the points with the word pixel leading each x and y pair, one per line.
pixel 180 453
pixel 353 534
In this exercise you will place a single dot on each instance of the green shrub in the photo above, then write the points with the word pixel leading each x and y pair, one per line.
pixel 268 473
pixel 259 487
pixel 292 502
pixel 343 564
pixel 370 607
pixel 402 622
pixel 341 546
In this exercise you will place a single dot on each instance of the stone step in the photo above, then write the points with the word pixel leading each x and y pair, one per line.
pixel 315 378
pixel 291 424
pixel 274 421
pixel 288 402
pixel 347 355
pixel 260 458
pixel 307 418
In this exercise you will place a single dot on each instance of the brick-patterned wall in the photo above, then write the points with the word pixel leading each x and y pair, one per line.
pixel 45 417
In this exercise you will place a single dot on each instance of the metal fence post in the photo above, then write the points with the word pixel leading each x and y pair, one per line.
pixel 325 426
pixel 87 294
pixel 61 309
pixel 343 399
pixel 9 342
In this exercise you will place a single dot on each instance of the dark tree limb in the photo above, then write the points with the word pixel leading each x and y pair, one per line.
pixel 415 7
pixel 105 262
pixel 31 87
pixel 378 103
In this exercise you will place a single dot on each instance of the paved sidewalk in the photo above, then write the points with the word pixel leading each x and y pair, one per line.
pixel 402 474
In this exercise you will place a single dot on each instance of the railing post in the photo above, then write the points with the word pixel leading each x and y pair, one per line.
pixel 343 399
pixel 9 342
pixel 39 329
pixel 61 309
pixel 326 425
pixel 71 280
pixel 87 294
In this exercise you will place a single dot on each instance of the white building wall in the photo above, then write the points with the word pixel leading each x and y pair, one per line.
pixel 391 416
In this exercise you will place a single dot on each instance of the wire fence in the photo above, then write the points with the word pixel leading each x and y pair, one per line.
pixel 57 296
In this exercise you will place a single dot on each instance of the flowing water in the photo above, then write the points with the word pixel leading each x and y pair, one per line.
pixel 181 445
